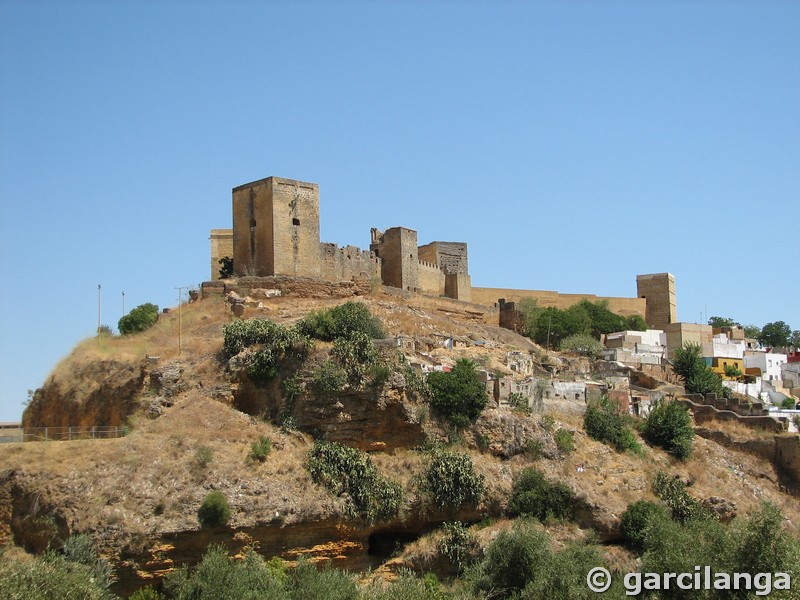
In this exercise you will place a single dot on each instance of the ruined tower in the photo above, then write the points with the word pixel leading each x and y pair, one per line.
pixel 397 249
pixel 276 228
pixel 659 291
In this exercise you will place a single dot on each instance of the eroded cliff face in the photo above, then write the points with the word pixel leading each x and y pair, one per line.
pixel 88 393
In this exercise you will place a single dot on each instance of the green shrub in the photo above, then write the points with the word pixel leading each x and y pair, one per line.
pixel 219 577
pixel 327 380
pixel 564 441
pixel 451 481
pixel 788 404
pixel 140 318
pixel 534 449
pixel 512 561
pixel 203 456
pixel 669 425
pixel 637 518
pixel 605 423
pixel 342 321
pixel 341 469
pixel 260 450
pixel 518 401
pixel 457 544
pixel 357 356
pixel 582 344
pixel 214 511
pixel 80 549
pixel 672 490
pixel 548 422
pixel 406 587
pixel 146 593
pixel 563 576
pixel 306 581
pixel 459 396
pixel 533 495
pixel 49 577
pixel 274 345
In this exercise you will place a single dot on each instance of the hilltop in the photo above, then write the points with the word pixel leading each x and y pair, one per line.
pixel 192 417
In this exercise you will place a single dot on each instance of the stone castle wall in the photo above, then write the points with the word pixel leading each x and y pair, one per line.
pixel 622 306
pixel 344 264
pixel 430 278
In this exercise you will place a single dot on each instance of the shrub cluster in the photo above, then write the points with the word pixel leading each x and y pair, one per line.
pixel 272 345
pixel 520 563
pixel 140 318
pixel 605 422
pixel 552 325
pixel 533 495
pixel 457 544
pixel 358 357
pixel 451 480
pixel 669 425
pixel 459 395
pixel 672 490
pixel 214 511
pixel 260 449
pixel 636 520
pixel 582 344
pixel 564 441
pixel 75 572
pixel 342 321
pixel 341 469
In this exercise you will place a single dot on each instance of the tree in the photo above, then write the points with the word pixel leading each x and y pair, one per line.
pixel 794 341
pixel 583 344
pixel 752 331
pixel 226 267
pixel 669 425
pixel 458 396
pixel 720 322
pixel 636 323
pixel 140 318
pixel 698 378
pixel 775 335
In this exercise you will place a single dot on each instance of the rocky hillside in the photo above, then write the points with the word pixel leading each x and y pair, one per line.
pixel 194 415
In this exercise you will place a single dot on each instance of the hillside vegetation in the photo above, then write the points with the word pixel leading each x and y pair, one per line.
pixel 272 452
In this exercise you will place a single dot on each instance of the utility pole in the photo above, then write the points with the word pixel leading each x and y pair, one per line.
pixel 549 321
pixel 180 294
pixel 99 296
pixel 123 303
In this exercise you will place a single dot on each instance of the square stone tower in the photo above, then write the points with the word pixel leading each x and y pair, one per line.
pixel 221 247
pixel 276 228
pixel 397 249
pixel 659 291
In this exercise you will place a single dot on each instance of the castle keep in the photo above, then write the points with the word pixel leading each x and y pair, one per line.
pixel 276 232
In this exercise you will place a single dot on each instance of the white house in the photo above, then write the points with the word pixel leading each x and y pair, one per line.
pixel 641 347
pixel 768 362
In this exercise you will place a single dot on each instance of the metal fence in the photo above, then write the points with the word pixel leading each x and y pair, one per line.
pixel 47 434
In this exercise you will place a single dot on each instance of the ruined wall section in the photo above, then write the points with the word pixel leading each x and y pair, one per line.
pixel 348 263
pixel 659 291
pixel 450 257
pixel 221 246
pixel 430 278
pixel 276 228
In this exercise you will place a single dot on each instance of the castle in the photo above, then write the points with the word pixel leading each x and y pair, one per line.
pixel 276 232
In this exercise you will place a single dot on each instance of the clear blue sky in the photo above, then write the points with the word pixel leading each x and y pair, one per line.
pixel 573 145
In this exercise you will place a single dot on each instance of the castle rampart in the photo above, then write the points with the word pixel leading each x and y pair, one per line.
pixel 276 233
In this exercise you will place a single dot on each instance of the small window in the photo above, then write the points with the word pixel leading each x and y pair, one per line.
pixel 295 221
